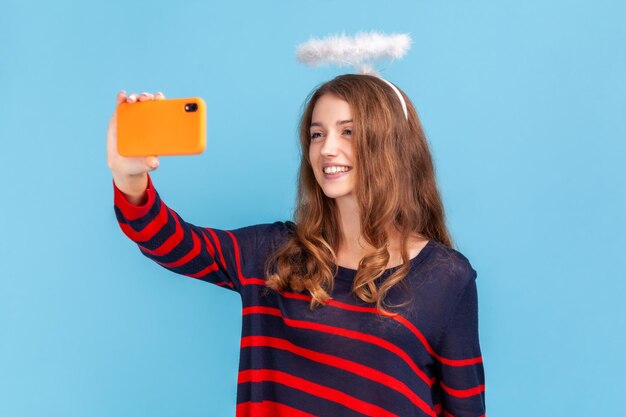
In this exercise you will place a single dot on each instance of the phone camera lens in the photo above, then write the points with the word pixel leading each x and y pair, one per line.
pixel 191 107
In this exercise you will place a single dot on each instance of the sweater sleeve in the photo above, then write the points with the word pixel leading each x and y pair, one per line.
pixel 216 256
pixel 461 374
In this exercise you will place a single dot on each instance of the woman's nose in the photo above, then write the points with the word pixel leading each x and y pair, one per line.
pixel 329 148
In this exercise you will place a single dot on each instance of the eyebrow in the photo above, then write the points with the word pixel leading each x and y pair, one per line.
pixel 340 122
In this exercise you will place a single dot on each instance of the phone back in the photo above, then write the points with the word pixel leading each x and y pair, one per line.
pixel 161 127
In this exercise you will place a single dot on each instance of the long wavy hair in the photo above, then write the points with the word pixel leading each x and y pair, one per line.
pixel 395 186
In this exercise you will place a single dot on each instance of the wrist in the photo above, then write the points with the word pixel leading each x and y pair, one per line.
pixel 133 186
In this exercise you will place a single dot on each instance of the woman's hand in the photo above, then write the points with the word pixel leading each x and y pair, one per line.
pixel 129 174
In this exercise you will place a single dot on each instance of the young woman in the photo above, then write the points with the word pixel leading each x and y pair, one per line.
pixel 360 307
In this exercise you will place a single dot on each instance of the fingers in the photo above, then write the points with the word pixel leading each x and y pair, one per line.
pixel 133 98
pixel 146 96
pixel 121 97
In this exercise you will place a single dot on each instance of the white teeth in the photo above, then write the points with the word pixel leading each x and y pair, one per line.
pixel 334 170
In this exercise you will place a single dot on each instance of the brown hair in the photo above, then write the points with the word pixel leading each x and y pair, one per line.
pixel 395 186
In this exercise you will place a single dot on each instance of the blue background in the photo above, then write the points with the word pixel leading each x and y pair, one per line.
pixel 524 106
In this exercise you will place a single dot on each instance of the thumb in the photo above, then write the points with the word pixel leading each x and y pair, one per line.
pixel 152 162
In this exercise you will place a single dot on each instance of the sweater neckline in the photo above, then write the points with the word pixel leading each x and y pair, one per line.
pixel 348 274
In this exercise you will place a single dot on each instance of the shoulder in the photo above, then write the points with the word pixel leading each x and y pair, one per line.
pixel 273 234
pixel 449 268
pixel 452 259
pixel 278 227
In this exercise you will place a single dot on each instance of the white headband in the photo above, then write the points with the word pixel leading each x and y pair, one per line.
pixel 406 112
pixel 358 51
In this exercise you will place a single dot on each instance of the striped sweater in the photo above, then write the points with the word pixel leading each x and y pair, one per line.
pixel 341 359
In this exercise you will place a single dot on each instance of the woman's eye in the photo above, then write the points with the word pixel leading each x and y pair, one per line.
pixel 347 132
pixel 316 135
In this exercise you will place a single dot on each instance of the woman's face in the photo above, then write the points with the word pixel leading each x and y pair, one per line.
pixel 331 151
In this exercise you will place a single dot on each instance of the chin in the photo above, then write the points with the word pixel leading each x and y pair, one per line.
pixel 336 193
pixel 336 189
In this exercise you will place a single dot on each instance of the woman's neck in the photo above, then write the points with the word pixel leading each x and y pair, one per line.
pixel 353 246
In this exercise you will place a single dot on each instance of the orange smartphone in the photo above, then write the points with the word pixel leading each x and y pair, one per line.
pixel 161 127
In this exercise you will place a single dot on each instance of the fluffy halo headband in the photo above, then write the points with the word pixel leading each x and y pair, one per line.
pixel 360 51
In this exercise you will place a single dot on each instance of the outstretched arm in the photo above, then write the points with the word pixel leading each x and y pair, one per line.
pixel 216 256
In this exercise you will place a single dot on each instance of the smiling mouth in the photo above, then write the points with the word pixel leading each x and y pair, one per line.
pixel 335 170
